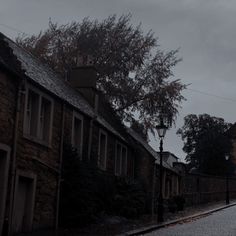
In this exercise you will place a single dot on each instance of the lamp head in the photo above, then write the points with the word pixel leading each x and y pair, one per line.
pixel 161 128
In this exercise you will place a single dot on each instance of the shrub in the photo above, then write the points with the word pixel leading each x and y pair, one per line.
pixel 78 204
pixel 129 198
pixel 179 201
pixel 86 192
pixel 172 205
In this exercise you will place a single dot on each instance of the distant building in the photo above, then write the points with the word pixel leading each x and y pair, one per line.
pixel 147 162
pixel 170 158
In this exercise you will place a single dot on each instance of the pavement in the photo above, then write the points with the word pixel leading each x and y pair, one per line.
pixel 220 223
pixel 169 228
pixel 221 219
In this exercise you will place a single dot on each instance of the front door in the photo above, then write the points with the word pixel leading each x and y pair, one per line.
pixel 23 207
pixel 4 166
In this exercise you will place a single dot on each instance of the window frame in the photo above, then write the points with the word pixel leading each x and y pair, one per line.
pixel 26 133
pixel 122 172
pixel 103 167
pixel 78 116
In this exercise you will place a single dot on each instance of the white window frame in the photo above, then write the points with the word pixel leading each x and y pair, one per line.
pixel 103 167
pixel 41 95
pixel 122 172
pixel 79 117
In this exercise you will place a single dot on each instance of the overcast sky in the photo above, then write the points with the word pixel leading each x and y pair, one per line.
pixel 204 30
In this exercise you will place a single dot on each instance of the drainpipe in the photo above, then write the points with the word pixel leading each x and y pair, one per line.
pixel 21 90
pixel 153 189
pixel 90 138
pixel 91 135
pixel 60 166
pixel 91 125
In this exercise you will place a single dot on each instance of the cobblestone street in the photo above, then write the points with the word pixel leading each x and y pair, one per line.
pixel 222 223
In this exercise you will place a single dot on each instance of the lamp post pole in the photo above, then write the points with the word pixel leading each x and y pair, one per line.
pixel 227 181
pixel 227 190
pixel 161 130
pixel 160 200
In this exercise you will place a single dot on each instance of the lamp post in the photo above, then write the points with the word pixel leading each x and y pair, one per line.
pixel 227 181
pixel 161 130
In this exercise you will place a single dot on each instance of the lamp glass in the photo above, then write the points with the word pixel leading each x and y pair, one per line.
pixel 226 157
pixel 161 130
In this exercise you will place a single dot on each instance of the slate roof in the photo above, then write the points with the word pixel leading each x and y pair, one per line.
pixel 151 151
pixel 44 76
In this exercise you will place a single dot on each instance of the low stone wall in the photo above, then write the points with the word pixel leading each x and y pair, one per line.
pixel 199 188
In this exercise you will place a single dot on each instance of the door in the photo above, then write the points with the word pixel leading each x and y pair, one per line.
pixel 4 166
pixel 23 206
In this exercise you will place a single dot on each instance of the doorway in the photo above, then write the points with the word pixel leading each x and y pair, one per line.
pixel 24 203
pixel 4 168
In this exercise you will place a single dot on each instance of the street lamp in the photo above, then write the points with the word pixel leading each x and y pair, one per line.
pixel 161 130
pixel 227 181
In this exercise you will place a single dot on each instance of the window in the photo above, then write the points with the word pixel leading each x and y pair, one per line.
pixel 44 125
pixel 121 160
pixel 32 113
pixel 77 133
pixel 38 116
pixel 102 150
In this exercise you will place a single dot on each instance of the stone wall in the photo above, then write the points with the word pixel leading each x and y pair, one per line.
pixel 68 129
pixel 43 161
pixel 31 157
pixel 144 171
pixel 111 150
pixel 7 115
pixel 111 142
pixel 7 108
pixel 199 188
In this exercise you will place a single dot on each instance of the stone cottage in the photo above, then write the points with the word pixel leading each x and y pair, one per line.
pixel 39 112
pixel 146 168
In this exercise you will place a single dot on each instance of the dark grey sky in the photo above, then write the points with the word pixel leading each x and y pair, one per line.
pixel 205 31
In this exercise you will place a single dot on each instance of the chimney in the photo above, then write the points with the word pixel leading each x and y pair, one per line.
pixel 84 79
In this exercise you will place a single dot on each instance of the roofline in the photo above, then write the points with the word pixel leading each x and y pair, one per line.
pixel 79 110
pixel 23 76
pixel 169 153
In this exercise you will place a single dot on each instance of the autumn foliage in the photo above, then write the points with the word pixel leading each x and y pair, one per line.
pixel 134 73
